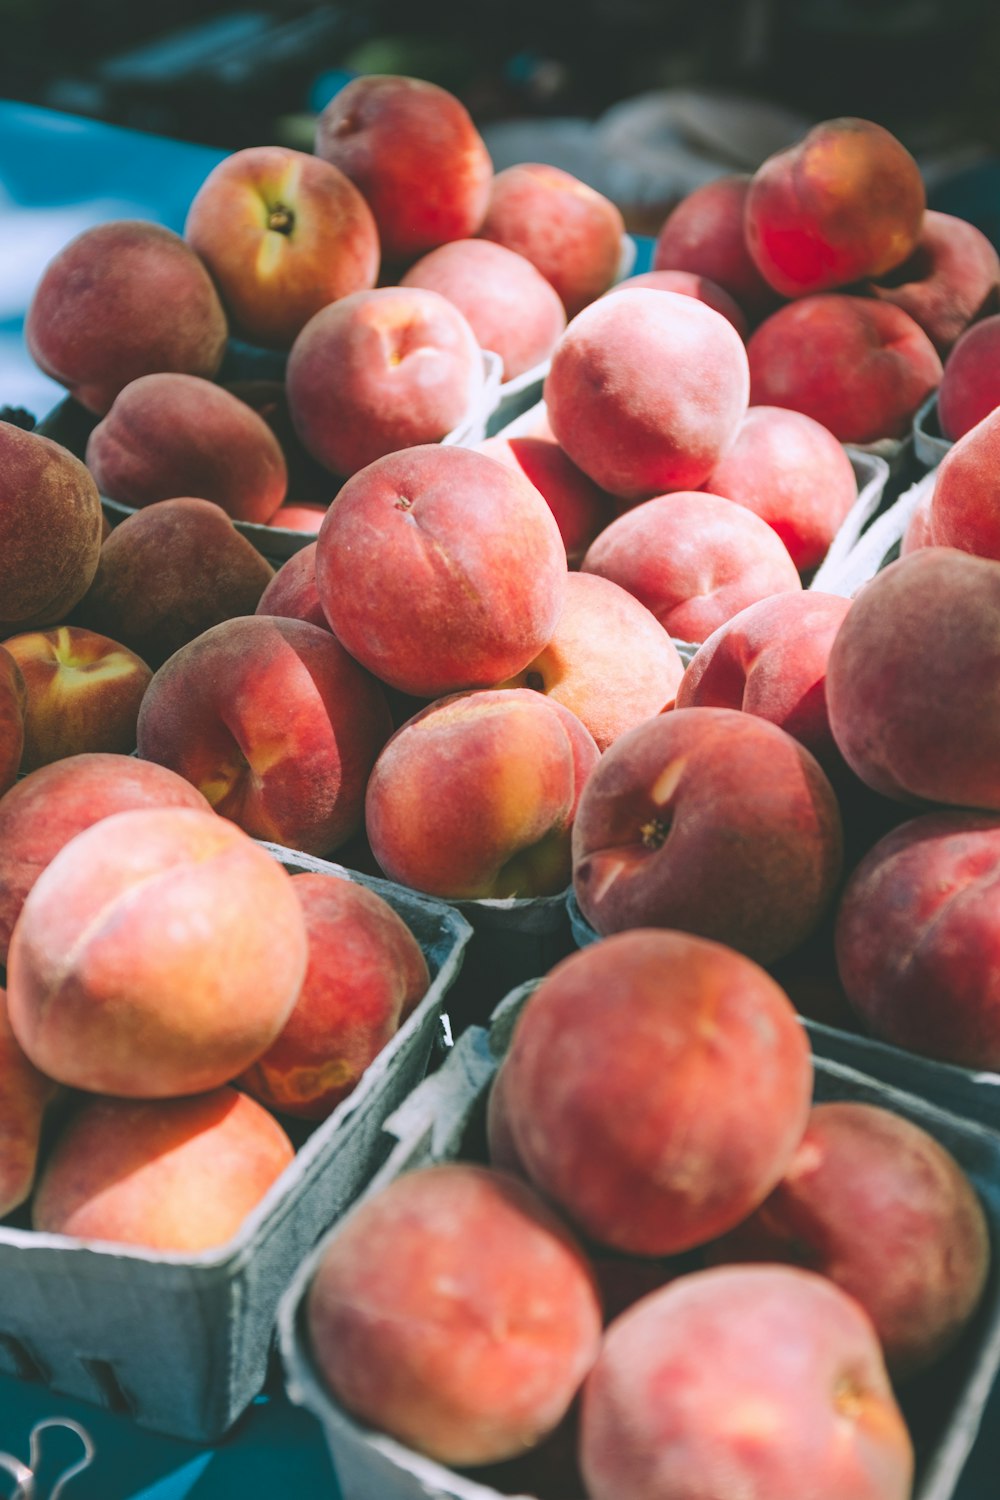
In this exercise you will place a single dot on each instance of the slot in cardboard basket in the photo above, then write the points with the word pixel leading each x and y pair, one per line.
pixel 181 1342
pixel 943 1407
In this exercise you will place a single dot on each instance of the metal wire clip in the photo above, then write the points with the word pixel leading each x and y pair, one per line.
pixel 24 1474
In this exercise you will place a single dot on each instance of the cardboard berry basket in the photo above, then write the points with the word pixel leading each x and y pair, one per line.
pixel 929 445
pixel 180 1342
pixel 443 1120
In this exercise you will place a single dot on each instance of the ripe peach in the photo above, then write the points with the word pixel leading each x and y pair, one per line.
pixel 160 952
pixel 871 1200
pixel 638 1163
pixel 970 389
pixel 418 159
pixel 308 482
pixel 169 572
pixel 275 723
pixel 712 821
pixel 283 234
pixel 166 1174
pixel 292 592
pixel 964 507
pixel 581 507
pixel 694 560
pixel 11 720
pixel 439 569
pixel 687 284
pixel 704 236
pixel 122 300
pixel 570 233
pixel 413 1310
pixel 307 518
pixel 951 279
pixel 172 435
pixel 845 202
pixel 366 973
pixel 25 1095
pixel 646 391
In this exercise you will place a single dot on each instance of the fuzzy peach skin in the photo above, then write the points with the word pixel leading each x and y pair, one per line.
pixel 656 1144
pixel 951 279
pixel 82 693
pixel 306 518
pixel 581 508
pixel 475 796
pixel 439 569
pixel 453 1311
pixel 609 660
pixel 167 573
pixel 509 306
pixel 48 549
pixel 687 284
pixel 874 1202
pixel 292 592
pixel 918 528
pixel 859 367
pixel 173 435
pixel 646 391
pixel 795 1386
pixel 366 973
pixel 25 1095
pixel 418 159
pixel 12 695
pixel 308 482
pixel 380 371
pixel 166 1174
pixel 694 560
pixel 570 233
pixel 970 389
pixel 770 660
pixel 793 473
pixel 712 821
pixel 51 806
pixel 845 202
pixel 160 952
pixel 275 723
pixel 917 945
pixel 964 508
pixel 910 682
pixel 283 234
pixel 122 300
pixel 704 235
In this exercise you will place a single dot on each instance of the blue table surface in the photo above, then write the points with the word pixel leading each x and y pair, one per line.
pixel 58 176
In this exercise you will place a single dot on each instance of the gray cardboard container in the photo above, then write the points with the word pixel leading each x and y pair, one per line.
pixel 944 1408
pixel 515 939
pixel 928 444
pixel 181 1342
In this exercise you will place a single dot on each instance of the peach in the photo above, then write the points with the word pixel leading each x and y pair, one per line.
pixel 172 435
pixel 283 234
pixel 306 518
pixel 646 391
pixel 474 797
pixel 704 235
pixel 169 572
pixel 175 1175
pixel 770 660
pixel 687 284
pixel 918 531
pixel 160 952
pixel 439 569
pixel 509 306
pixel 570 233
pixel 970 389
pixel 609 660
pixel 275 723
pixel 308 482
pixel 793 473
pixel 12 694
pixel 25 1095
pixel 686 1122
pixel 581 508
pixel 366 973
pixel 418 159
pixel 964 507
pixel 859 367
pixel 502 1150
pixel 51 806
pixel 380 371
pixel 82 693
pixel 845 202
pixel 122 300
pixel 694 560
pixel 454 1311
pixel 795 1385
pixel 48 549
pixel 292 592
pixel 910 680
pixel 951 279
pixel 712 821
pixel 871 1200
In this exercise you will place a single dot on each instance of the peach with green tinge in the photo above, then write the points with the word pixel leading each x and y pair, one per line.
pixel 25 1095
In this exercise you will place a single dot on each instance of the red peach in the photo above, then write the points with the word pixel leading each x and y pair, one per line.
pixel 951 279
pixel 292 591
pixel 970 389
pixel 581 507
pixel 687 284
pixel 25 1095
pixel 704 235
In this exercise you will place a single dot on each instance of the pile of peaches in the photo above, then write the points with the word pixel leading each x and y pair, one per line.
pixel 469 679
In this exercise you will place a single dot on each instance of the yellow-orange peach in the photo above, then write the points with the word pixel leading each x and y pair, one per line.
pixel 11 720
